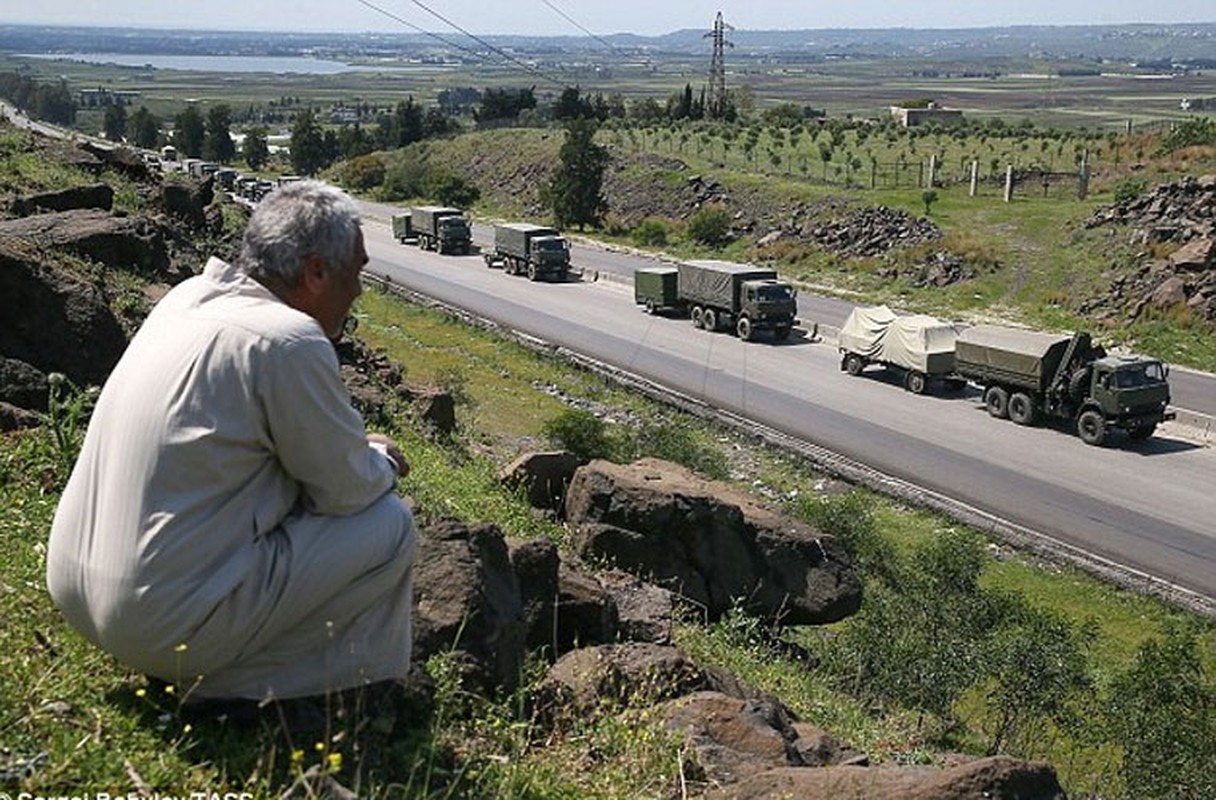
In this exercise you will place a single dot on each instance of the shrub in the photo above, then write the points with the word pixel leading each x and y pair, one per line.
pixel 580 432
pixel 1129 189
pixel 452 190
pixel 674 442
pixel 363 173
pixel 650 232
pixel 709 226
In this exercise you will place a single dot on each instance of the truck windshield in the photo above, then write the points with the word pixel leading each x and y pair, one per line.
pixel 550 244
pixel 1139 375
pixel 771 294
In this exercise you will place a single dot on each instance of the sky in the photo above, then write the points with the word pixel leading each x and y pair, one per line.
pixel 600 17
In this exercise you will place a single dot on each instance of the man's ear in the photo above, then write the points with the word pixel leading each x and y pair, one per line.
pixel 315 276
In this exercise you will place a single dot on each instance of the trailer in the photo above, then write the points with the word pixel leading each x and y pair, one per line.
pixel 918 347
pixel 403 228
pixel 656 288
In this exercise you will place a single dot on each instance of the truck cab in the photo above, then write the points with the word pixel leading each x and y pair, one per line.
pixel 1129 392
pixel 767 304
pixel 551 251
pixel 453 234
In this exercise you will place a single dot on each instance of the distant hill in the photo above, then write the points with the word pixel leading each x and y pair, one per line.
pixel 1191 43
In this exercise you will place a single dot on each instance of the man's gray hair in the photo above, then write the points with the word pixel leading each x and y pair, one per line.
pixel 293 222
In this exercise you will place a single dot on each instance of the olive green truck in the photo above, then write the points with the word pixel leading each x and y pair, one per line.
pixel 1026 375
pixel 721 295
pixel 537 251
pixel 441 228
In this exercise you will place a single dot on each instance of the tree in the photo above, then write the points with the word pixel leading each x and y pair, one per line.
pixel 53 102
pixel 143 128
pixel 403 127
pixel 254 149
pixel 928 197
pixel 218 146
pixel 189 131
pixel 307 144
pixel 576 192
pixel 115 122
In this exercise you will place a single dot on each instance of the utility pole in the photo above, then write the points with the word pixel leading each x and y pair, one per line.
pixel 717 69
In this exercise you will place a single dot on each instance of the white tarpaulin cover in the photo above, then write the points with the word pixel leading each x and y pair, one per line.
pixel 917 342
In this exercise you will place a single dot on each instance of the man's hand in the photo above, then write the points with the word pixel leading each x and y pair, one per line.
pixel 392 451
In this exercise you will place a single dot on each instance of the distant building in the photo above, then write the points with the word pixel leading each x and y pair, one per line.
pixel 911 117
pixel 92 98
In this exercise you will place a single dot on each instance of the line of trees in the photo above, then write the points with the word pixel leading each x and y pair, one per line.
pixel 51 102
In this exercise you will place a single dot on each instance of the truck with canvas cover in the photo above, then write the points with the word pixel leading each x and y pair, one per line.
pixel 441 228
pixel 919 347
pixel 656 288
pixel 737 297
pixel 1027 374
pixel 403 228
pixel 533 250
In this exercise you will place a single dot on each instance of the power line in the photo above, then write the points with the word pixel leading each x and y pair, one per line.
pixel 576 24
pixel 502 53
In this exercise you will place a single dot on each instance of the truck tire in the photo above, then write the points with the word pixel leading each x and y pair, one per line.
pixel 781 332
pixel 854 364
pixel 996 400
pixel 533 273
pixel 650 308
pixel 1143 432
pixel 743 329
pixel 1091 427
pixel 916 382
pixel 709 320
pixel 1022 409
pixel 696 315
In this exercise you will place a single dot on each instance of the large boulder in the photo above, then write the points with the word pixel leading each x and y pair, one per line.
pixel 131 243
pixel 612 676
pixel 709 542
pixel 586 613
pixel 97 195
pixel 468 599
pixel 53 322
pixel 542 476
pixel 536 563
pixel 996 778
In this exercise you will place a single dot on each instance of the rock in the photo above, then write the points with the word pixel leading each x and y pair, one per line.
pixel 1194 256
pixel 54 321
pixel 14 417
pixel 536 564
pixel 98 196
pixel 818 748
pixel 709 542
pixel 594 679
pixel 468 599
pixel 645 612
pixel 996 778
pixel 131 243
pixel 22 385
pixel 543 476
pixel 437 408
pixel 770 238
pixel 187 202
pixel 586 613
pixel 1171 292
pixel 121 159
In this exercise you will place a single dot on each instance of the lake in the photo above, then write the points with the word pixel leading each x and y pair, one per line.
pixel 274 64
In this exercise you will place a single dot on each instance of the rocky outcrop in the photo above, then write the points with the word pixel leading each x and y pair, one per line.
pixel 53 322
pixel 709 542
pixel 188 202
pixel 127 243
pixel 98 196
pixel 867 231
pixel 543 477
pixel 1183 214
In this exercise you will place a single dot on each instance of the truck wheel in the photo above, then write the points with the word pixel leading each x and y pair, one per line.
pixel 1143 432
pixel 650 306
pixel 853 364
pixel 1022 409
pixel 1091 427
pixel 915 382
pixel 996 400
pixel 709 320
pixel 697 320
pixel 533 272
pixel 743 328
pixel 781 333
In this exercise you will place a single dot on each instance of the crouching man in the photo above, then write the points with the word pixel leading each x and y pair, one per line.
pixel 230 527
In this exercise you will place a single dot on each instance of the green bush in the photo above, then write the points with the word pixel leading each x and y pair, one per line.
pixel 1129 189
pixel 710 226
pixel 580 432
pixel 1190 133
pixel 362 173
pixel 650 233
pixel 672 441
pixel 451 189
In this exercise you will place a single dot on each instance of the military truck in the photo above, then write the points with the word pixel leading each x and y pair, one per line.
pixel 738 297
pixel 1028 374
pixel 533 250
pixel 403 229
pixel 441 228
pixel 918 347
pixel 656 288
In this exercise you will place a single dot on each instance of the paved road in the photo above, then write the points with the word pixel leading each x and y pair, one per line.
pixel 1149 506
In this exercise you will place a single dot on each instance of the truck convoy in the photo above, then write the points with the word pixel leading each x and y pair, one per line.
pixel 919 347
pixel 721 295
pixel 1024 375
pixel 533 250
pixel 441 228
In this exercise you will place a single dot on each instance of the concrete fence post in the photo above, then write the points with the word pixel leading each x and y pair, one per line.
pixel 1009 183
